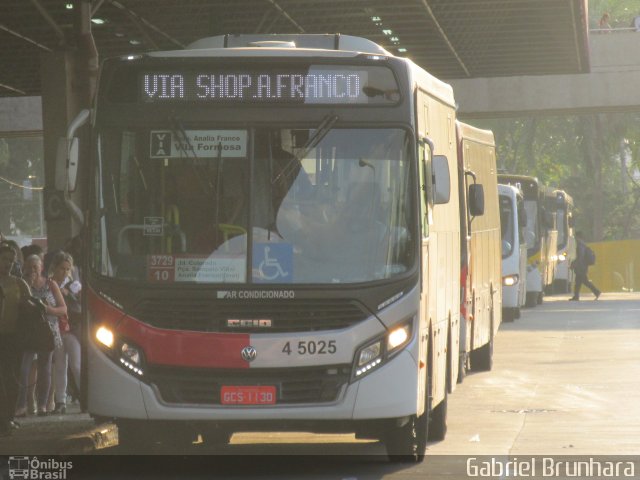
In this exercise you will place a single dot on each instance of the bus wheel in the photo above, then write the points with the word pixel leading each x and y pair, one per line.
pixel 532 299
pixel 407 444
pixel 438 421
pixel 482 358
pixel 462 368
pixel 508 315
pixel 560 286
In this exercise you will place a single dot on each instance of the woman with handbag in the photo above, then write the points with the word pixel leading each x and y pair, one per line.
pixel 48 291
pixel 12 291
pixel 68 354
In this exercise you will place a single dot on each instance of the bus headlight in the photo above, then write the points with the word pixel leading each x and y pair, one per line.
pixel 398 337
pixel 105 336
pixel 562 257
pixel 131 358
pixel 380 350
pixel 369 357
pixel 510 280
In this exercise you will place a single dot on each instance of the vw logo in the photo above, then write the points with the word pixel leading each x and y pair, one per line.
pixel 249 353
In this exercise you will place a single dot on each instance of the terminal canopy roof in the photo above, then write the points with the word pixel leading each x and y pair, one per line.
pixel 450 38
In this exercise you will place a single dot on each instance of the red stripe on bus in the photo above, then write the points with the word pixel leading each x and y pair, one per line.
pixel 173 347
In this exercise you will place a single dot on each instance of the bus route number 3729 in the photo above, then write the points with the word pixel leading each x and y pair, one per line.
pixel 311 347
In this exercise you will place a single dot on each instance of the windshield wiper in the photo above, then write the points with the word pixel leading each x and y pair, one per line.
pixel 325 126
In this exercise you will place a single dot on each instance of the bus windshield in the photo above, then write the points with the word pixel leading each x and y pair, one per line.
pixel 507 225
pixel 562 227
pixel 531 230
pixel 195 204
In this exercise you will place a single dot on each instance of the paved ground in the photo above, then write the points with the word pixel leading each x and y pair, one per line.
pixel 566 381
pixel 72 433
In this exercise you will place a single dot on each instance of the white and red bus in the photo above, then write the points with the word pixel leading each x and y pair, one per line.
pixel 273 225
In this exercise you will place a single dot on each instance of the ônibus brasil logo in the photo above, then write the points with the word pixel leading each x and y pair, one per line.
pixel 32 468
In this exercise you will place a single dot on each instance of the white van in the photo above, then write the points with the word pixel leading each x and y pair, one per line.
pixel 514 251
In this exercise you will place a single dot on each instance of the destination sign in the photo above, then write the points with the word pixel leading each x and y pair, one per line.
pixel 317 85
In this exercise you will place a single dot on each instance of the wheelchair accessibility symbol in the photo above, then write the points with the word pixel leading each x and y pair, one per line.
pixel 272 263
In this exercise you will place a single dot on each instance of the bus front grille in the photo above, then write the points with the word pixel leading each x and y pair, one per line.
pixel 281 316
pixel 304 385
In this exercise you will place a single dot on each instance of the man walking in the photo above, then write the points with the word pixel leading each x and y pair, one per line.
pixel 580 266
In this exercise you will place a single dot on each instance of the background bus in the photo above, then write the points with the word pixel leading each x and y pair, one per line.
pixel 481 301
pixel 563 280
pixel 275 243
pixel 513 220
pixel 550 229
pixel 540 230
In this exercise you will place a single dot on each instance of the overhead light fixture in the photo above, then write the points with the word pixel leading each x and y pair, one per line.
pixel 69 6
pixel 402 50
pixel 394 39
pixel 376 19
pixel 135 42
pixel 386 31
pixel 98 21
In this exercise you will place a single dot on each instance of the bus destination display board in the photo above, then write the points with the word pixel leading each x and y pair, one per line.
pixel 317 85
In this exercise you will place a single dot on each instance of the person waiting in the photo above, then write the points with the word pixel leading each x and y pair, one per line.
pixel 49 292
pixel 68 354
pixel 12 291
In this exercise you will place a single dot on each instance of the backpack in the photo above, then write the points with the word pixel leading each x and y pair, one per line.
pixel 589 256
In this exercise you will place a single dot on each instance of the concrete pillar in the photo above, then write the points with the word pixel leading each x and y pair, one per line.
pixel 59 105
pixel 68 86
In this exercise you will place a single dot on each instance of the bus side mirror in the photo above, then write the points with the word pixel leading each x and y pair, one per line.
pixel 67 164
pixel 67 155
pixel 476 200
pixel 441 179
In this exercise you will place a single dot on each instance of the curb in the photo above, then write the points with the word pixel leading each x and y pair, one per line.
pixel 99 437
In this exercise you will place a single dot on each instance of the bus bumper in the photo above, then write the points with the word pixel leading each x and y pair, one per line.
pixel 388 392
pixel 510 296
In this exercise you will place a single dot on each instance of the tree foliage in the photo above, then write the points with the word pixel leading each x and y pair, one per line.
pixel 594 158
pixel 621 12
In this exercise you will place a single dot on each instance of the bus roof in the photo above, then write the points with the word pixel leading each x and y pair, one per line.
pixel 291 41
pixel 509 190
pixel 253 52
pixel 530 185
pixel 514 178
pixel 279 45
pixel 568 199
pixel 476 134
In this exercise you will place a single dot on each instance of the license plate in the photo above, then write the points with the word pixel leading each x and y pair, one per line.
pixel 247 395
